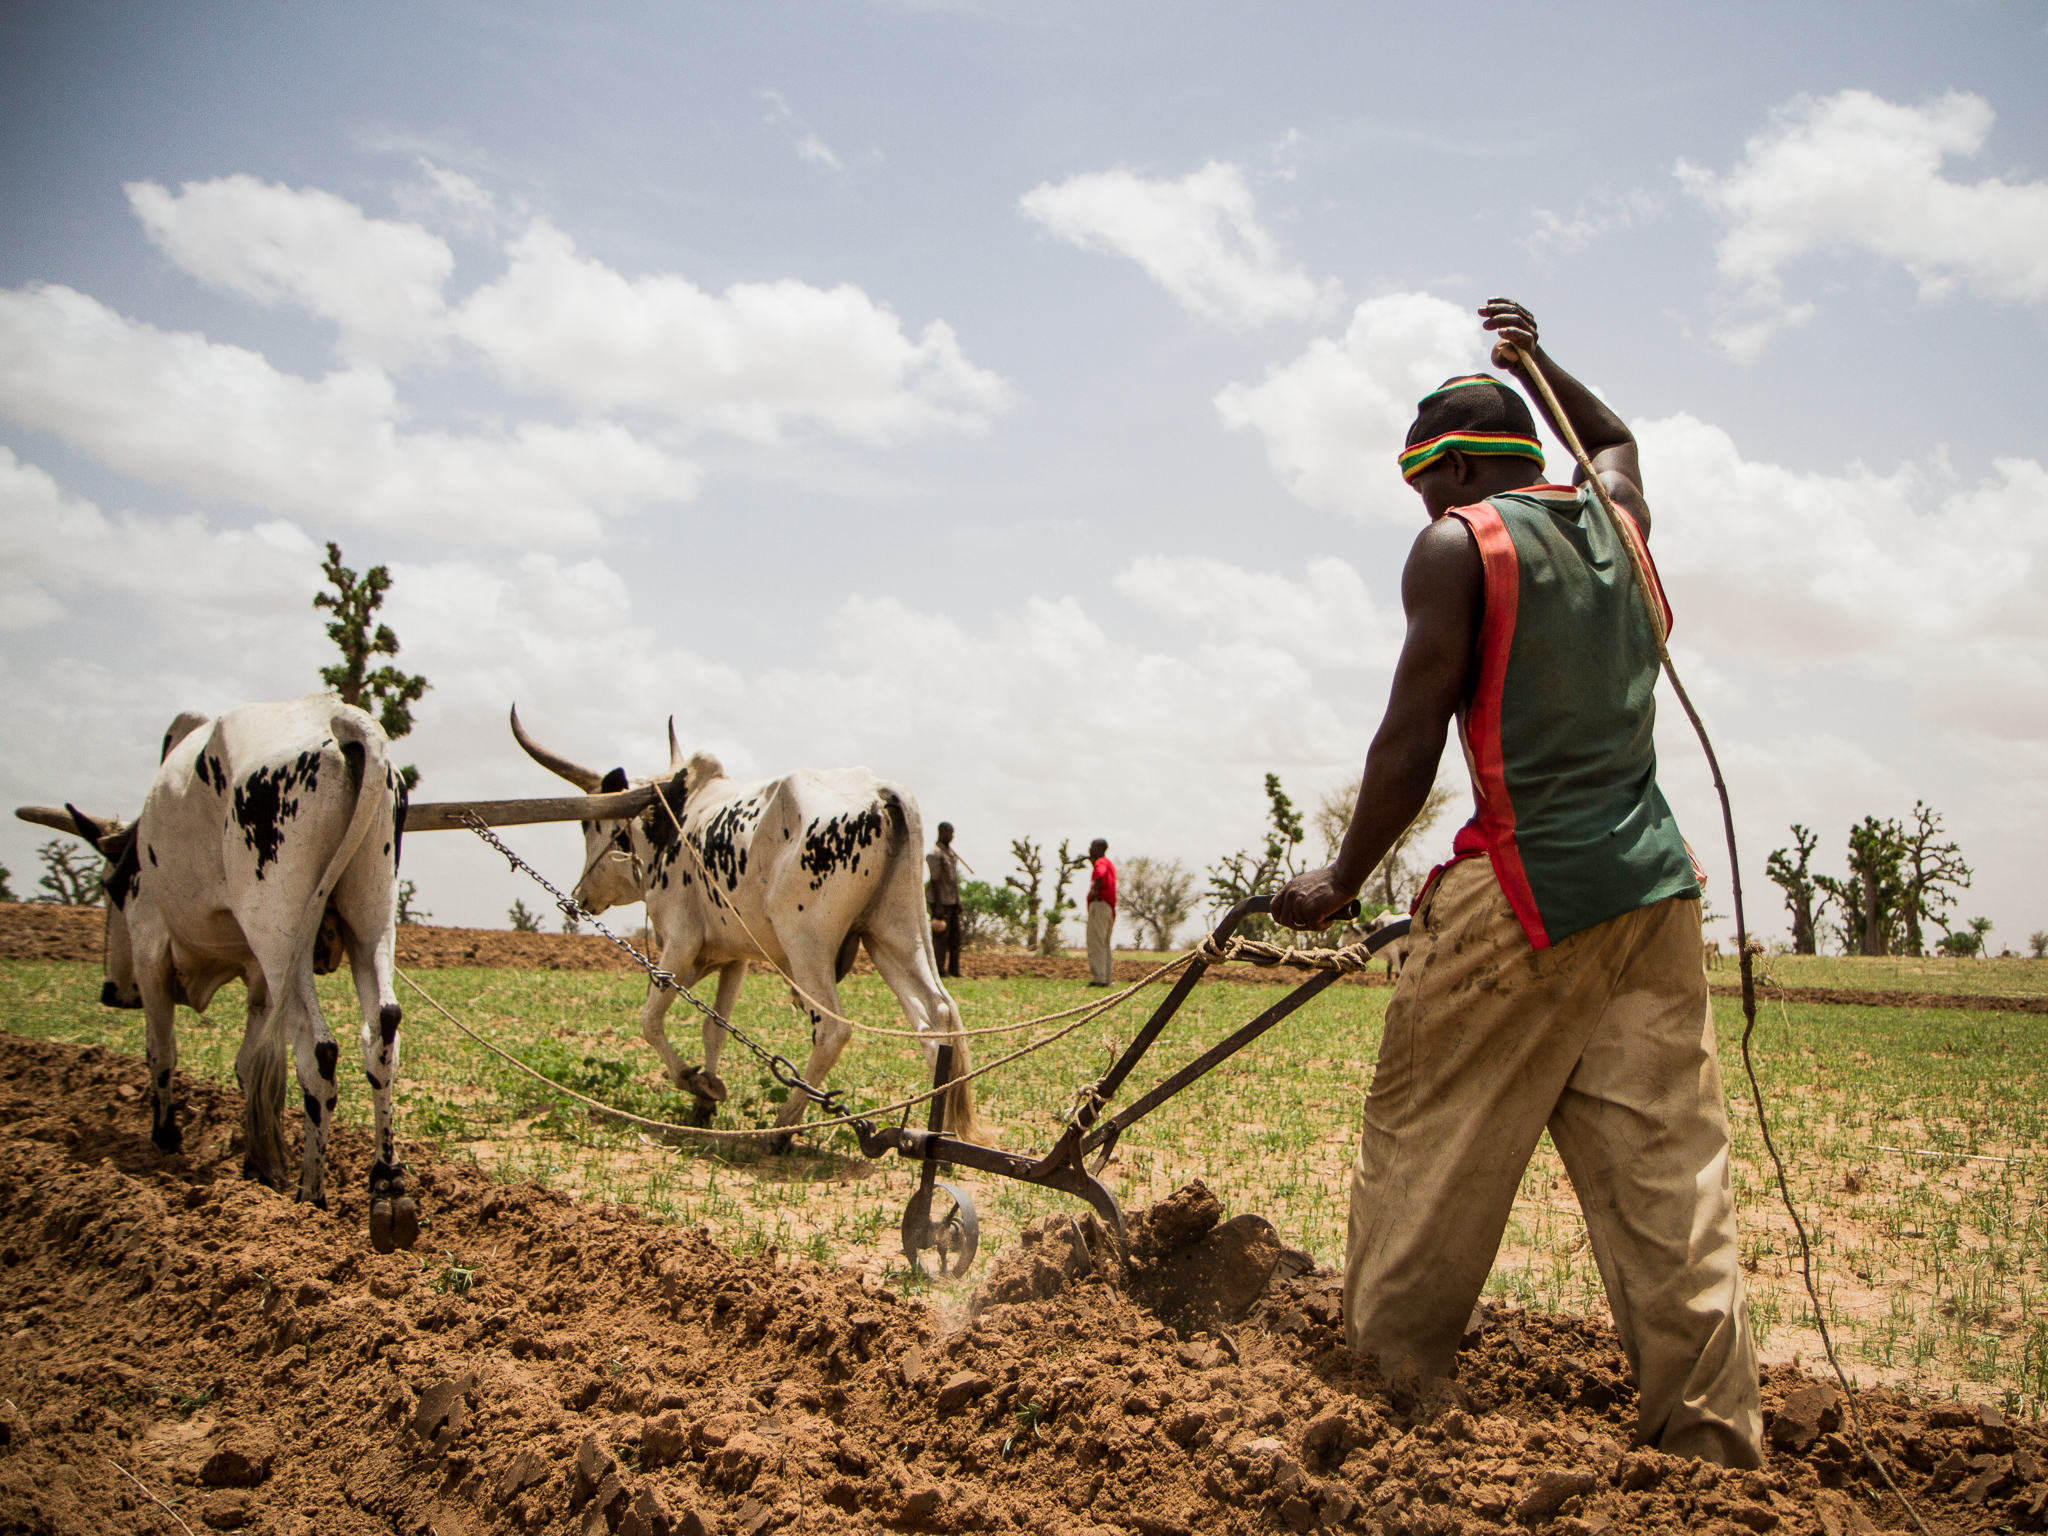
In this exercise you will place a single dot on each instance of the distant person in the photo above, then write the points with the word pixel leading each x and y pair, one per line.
pixel 1101 914
pixel 942 895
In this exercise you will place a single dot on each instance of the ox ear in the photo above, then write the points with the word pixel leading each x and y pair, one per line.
pixel 89 828
pixel 661 831
pixel 703 768
pixel 613 782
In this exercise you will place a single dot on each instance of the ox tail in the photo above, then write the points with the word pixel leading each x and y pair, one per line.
pixel 962 1119
pixel 264 1070
pixel 363 746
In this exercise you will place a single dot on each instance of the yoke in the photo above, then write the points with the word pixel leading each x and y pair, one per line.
pixel 955 1236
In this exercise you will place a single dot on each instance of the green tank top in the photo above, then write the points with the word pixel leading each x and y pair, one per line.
pixel 1559 730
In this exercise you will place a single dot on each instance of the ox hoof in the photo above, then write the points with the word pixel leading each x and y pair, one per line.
pixel 394 1224
pixel 778 1144
pixel 703 1112
pixel 257 1176
pixel 704 1084
pixel 168 1137
pixel 394 1218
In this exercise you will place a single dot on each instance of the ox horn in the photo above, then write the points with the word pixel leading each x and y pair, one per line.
pixel 675 753
pixel 48 816
pixel 575 773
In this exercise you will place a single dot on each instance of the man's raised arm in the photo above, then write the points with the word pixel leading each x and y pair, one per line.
pixel 1604 435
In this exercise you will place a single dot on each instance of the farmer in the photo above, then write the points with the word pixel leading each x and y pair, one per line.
pixel 1553 976
pixel 942 897
pixel 1101 914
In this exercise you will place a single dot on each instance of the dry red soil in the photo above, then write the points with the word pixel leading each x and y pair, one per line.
pixel 170 1332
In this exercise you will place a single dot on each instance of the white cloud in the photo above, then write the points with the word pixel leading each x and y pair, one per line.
pixel 1552 234
pixel 1327 618
pixel 176 409
pixel 753 361
pixel 54 545
pixel 807 144
pixel 1199 238
pixel 1334 418
pixel 449 199
pixel 379 282
pixel 1939 587
pixel 1854 172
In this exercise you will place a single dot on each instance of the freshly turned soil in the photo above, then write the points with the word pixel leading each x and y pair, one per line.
pixel 253 1363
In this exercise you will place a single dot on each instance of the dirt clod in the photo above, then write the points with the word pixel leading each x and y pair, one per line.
pixel 243 1462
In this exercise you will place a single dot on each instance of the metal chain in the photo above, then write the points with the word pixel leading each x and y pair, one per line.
pixel 780 1067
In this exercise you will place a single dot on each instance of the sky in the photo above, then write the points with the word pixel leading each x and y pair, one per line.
pixel 1005 397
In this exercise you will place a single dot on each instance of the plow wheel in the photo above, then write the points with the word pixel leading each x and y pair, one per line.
pixel 940 1219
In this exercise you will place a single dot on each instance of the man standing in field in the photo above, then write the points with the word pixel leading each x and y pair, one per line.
pixel 1555 981
pixel 1101 914
pixel 942 896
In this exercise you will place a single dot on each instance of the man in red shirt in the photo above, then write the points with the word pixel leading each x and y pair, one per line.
pixel 1101 914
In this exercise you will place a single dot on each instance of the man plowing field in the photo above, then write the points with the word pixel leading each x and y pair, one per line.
pixel 1553 975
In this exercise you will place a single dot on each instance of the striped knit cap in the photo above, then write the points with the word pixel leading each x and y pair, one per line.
pixel 1473 414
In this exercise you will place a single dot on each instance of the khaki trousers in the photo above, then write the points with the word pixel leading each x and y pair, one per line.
pixel 1607 1038
pixel 1101 958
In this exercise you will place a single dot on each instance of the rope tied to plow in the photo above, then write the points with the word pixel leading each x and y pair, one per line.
pixel 1351 960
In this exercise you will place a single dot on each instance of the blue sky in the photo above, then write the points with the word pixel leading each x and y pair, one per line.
pixel 1003 397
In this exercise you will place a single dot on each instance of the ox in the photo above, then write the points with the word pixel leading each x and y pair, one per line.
pixel 269 832
pixel 803 870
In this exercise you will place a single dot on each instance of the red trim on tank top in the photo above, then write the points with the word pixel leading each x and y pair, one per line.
pixel 1492 827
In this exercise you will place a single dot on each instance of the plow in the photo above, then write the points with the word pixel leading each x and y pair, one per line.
pixel 1076 1161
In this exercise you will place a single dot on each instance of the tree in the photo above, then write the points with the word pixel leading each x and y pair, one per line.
pixel 1961 944
pixel 1159 894
pixel 1877 851
pixel 1805 896
pixel 390 692
pixel 522 920
pixel 1031 875
pixel 989 914
pixel 71 874
pixel 6 890
pixel 2037 941
pixel 1980 930
pixel 1241 874
pixel 1934 875
pixel 1049 940
pixel 408 912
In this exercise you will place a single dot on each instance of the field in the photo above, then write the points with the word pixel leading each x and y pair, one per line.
pixel 1914 1137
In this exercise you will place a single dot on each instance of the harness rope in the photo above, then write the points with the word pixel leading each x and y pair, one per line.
pixel 802 1126
pixel 1625 530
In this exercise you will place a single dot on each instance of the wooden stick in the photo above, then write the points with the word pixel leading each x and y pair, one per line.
pixel 447 815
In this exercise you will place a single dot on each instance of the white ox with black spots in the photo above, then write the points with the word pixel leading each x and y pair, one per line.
pixel 270 832
pixel 804 870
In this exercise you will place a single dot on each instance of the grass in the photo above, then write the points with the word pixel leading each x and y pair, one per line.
pixel 1893 973
pixel 1914 1137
